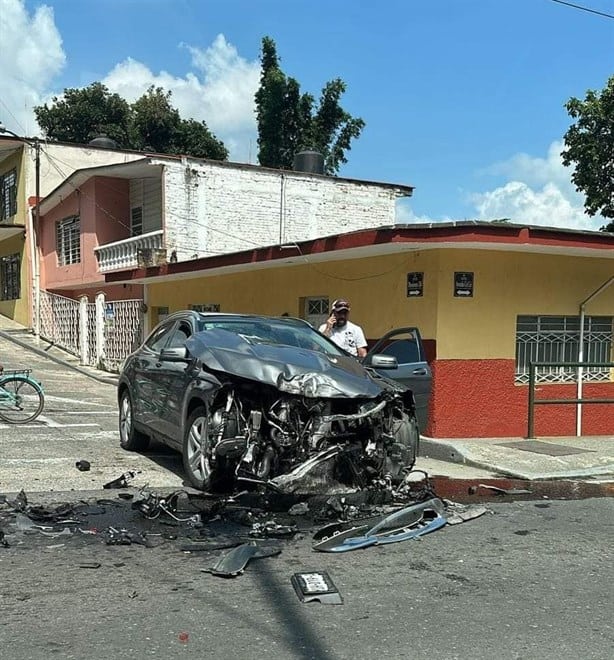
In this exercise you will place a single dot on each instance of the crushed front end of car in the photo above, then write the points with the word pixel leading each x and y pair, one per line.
pixel 300 420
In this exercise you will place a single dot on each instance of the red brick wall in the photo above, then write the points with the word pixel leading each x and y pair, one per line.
pixel 478 399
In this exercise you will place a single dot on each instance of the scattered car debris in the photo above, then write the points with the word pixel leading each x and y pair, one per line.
pixel 83 466
pixel 90 564
pixel 122 481
pixel 316 586
pixel 300 509
pixel 270 529
pixel 499 491
pixel 234 562
pixel 459 513
pixel 407 523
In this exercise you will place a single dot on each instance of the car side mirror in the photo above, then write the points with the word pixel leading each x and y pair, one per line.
pixel 175 354
pixel 380 361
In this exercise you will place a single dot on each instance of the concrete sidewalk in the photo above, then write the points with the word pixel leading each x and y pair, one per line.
pixel 23 337
pixel 590 457
pixel 461 458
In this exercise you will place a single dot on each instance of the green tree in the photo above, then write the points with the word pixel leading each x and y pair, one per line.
pixel 589 147
pixel 82 114
pixel 288 121
pixel 151 123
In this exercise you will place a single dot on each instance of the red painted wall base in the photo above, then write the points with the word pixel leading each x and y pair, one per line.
pixel 478 399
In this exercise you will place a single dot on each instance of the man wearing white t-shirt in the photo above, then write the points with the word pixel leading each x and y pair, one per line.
pixel 343 332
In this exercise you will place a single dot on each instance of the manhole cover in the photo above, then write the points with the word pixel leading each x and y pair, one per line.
pixel 548 448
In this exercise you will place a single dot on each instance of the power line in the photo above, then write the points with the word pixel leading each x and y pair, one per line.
pixel 581 8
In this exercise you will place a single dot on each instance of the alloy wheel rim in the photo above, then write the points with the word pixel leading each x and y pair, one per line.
pixel 125 421
pixel 197 449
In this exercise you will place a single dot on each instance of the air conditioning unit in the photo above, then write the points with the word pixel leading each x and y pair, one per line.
pixel 148 257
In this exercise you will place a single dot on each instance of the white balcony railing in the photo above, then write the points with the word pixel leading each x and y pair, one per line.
pixel 125 254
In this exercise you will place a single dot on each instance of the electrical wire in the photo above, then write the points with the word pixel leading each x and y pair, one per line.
pixel 581 8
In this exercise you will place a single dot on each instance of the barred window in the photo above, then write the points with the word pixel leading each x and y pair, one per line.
pixel 316 310
pixel 68 241
pixel 8 194
pixel 136 221
pixel 206 307
pixel 10 277
pixel 557 339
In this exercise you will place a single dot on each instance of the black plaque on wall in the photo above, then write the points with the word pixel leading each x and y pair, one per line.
pixel 463 285
pixel 415 285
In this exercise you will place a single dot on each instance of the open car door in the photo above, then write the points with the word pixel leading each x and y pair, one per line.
pixel 405 344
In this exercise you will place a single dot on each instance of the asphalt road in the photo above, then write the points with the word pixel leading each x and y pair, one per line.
pixel 79 421
pixel 530 580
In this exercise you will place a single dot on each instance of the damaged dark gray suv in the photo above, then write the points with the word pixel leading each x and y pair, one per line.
pixel 259 399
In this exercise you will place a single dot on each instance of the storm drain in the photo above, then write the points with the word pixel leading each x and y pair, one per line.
pixel 538 447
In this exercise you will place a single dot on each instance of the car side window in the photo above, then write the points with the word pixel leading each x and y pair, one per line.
pixel 404 350
pixel 158 338
pixel 181 334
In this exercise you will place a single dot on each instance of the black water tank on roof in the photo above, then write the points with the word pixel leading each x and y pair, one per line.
pixel 103 141
pixel 309 161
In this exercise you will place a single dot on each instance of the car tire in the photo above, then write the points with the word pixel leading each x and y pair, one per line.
pixel 129 437
pixel 403 453
pixel 196 462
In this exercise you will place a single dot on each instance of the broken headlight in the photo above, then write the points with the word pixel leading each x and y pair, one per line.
pixel 311 385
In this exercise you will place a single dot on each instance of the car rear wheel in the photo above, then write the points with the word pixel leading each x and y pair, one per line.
pixel 129 437
pixel 196 449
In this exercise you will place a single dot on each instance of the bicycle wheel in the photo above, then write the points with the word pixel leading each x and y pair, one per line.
pixel 22 400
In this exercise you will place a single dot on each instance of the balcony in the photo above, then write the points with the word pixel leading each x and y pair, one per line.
pixel 131 252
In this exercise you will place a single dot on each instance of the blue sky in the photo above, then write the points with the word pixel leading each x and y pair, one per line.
pixel 462 99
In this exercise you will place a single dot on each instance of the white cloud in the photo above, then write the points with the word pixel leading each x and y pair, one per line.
pixel 31 55
pixel 539 192
pixel 404 214
pixel 220 90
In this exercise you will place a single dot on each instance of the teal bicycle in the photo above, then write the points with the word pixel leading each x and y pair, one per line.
pixel 21 397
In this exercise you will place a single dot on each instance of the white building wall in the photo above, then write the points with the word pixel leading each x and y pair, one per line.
pixel 59 161
pixel 213 209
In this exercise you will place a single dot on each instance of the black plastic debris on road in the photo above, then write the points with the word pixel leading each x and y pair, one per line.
pixel 233 563
pixel 316 586
pixel 122 480
pixel 83 466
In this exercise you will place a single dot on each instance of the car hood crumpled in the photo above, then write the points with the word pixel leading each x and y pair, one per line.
pixel 221 350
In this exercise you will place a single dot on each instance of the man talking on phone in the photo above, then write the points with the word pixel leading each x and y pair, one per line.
pixel 343 332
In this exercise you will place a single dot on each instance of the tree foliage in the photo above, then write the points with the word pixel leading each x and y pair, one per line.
pixel 288 121
pixel 151 123
pixel 589 147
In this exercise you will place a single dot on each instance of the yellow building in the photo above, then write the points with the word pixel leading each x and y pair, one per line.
pixel 488 298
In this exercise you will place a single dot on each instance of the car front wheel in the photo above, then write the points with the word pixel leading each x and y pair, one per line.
pixel 196 449
pixel 129 437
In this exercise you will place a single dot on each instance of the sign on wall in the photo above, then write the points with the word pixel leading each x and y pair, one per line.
pixel 463 285
pixel 415 285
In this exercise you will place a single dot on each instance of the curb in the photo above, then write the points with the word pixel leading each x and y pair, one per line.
pixel 40 352
pixel 444 451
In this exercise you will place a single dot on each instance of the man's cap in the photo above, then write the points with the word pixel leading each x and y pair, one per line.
pixel 340 304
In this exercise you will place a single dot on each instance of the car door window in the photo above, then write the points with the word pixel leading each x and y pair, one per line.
pixel 159 337
pixel 180 335
pixel 405 351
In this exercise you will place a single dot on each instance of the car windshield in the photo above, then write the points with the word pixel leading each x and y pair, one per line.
pixel 285 332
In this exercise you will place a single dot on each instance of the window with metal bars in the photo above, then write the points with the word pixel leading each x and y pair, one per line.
pixel 557 339
pixel 8 194
pixel 68 241
pixel 316 310
pixel 136 221
pixel 10 277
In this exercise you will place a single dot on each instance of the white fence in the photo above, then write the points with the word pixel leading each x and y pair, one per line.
pixel 101 333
